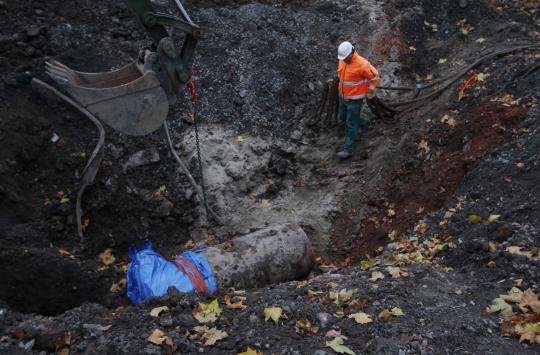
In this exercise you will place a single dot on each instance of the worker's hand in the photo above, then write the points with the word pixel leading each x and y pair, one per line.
pixel 371 94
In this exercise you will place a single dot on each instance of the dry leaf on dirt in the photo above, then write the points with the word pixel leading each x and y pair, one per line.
pixel 250 351
pixel 367 264
pixel 396 312
pixel 207 313
pixel 376 275
pixel 361 317
pixel 303 326
pixel 423 145
pixel 273 313
pixel 337 345
pixel 106 257
pixel 474 218
pixel 396 271
pixel 391 212
pixel 159 338
pixel 451 121
pixel 519 251
pixel 155 312
pixel 388 314
pixel 209 336
pixel 498 305
pixel 508 100
pixel 529 332
pixel 314 293
pixel 421 228
pixel 514 295
pixel 119 286
pixel 530 300
pixel 233 305
pixel 63 342
pixel 343 297
pixel 65 253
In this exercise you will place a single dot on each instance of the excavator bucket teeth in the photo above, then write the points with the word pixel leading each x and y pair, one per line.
pixel 130 100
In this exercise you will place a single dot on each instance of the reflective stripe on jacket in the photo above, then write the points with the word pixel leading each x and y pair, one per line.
pixel 356 78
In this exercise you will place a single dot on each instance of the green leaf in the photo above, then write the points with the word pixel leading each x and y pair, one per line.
pixel 343 297
pixel 474 218
pixel 207 313
pixel 492 218
pixel 396 312
pixel 338 347
pixel 481 77
pixel 498 305
pixel 367 264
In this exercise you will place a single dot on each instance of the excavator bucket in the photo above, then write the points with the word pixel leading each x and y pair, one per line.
pixel 131 100
pixel 135 99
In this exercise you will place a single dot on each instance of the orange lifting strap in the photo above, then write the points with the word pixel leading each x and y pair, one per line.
pixel 193 274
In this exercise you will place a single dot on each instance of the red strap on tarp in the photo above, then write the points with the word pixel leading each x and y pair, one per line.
pixel 193 274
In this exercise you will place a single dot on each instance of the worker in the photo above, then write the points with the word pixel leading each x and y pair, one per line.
pixel 358 79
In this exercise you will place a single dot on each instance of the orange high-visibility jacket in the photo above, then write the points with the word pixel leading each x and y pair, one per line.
pixel 356 78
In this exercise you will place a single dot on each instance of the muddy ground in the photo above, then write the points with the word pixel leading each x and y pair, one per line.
pixel 261 70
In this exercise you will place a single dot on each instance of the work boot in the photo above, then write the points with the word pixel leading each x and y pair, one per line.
pixel 344 154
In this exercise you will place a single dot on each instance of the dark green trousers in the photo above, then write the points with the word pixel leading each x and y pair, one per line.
pixel 349 113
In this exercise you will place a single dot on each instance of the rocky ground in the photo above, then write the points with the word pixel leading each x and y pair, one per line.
pixel 436 214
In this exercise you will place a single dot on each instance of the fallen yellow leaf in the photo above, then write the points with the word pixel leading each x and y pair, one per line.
pixel 338 347
pixel 106 257
pixel 207 313
pixel 235 305
pixel 209 335
pixel 250 351
pixel 273 313
pixel 156 311
pixel 376 275
pixel 361 317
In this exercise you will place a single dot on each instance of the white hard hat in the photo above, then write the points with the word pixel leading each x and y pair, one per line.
pixel 344 50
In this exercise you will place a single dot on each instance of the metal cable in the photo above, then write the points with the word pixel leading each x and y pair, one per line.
pixel 92 166
pixel 185 169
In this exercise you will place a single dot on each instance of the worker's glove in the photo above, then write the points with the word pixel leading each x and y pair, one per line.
pixel 371 94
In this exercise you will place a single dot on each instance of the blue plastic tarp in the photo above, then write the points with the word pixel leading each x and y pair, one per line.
pixel 149 274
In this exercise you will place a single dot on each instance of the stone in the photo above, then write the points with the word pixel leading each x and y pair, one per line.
pixel 142 158
pixel 30 51
pixel 166 321
pixel 32 32
pixel 296 135
pixel 164 209
pixel 324 319
pixel 152 349
pixel 253 319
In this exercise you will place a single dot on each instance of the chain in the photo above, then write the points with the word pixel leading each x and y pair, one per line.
pixel 191 87
pixel 201 176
